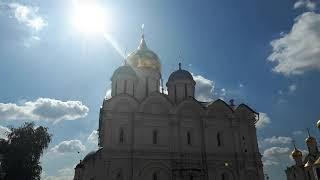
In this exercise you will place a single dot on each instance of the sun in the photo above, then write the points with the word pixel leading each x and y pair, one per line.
pixel 89 17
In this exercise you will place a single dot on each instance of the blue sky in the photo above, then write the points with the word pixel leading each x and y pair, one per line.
pixel 262 53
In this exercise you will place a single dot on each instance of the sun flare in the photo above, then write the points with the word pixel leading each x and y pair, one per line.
pixel 90 18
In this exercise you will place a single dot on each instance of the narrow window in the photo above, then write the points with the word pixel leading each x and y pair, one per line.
pixel 116 88
pixel 219 139
pixel 125 86
pixel 318 172
pixel 188 138
pixel 185 90
pixel 155 137
pixel 175 93
pixel 309 175
pixel 224 176
pixel 154 176
pixel 121 136
pixel 119 176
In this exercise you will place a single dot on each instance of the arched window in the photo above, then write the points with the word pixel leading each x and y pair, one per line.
pixel 219 139
pixel 309 175
pixel 318 172
pixel 154 176
pixel 155 137
pixel 119 176
pixel 121 136
pixel 189 138
pixel 224 176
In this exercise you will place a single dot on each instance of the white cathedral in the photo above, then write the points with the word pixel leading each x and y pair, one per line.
pixel 145 134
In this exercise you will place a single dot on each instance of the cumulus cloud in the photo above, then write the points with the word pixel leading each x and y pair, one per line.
pixel 204 88
pixel 44 109
pixel 292 88
pixel 297 132
pixel 93 137
pixel 269 162
pixel 299 50
pixel 278 140
pixel 28 15
pixel 275 151
pixel 263 121
pixel 72 146
pixel 4 131
pixel 108 94
pixel 308 4
pixel 62 174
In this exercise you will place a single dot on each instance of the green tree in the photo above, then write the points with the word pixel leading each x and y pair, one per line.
pixel 22 152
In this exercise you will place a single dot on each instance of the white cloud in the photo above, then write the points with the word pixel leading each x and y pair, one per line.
pixel 108 94
pixel 297 132
pixel 263 121
pixel 275 151
pixel 4 131
pixel 72 146
pixel 204 88
pixel 308 4
pixel 292 88
pixel 93 137
pixel 269 162
pixel 44 109
pixel 62 174
pixel 299 50
pixel 278 140
pixel 223 92
pixel 28 15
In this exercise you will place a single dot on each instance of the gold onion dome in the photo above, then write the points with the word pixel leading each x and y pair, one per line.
pixel 317 162
pixel 318 124
pixel 308 164
pixel 296 153
pixel 311 140
pixel 143 57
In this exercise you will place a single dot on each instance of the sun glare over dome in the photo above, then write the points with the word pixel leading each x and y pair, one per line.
pixel 89 17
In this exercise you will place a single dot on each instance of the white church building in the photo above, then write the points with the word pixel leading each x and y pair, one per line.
pixel 145 134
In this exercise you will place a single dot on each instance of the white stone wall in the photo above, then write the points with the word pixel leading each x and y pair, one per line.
pixel 138 158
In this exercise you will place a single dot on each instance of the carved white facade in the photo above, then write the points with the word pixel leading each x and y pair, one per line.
pixel 145 134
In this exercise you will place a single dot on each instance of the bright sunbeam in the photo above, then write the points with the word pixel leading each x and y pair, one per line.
pixel 114 44
pixel 89 17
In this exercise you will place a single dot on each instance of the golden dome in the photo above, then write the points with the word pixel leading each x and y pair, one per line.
pixel 317 162
pixel 143 57
pixel 318 124
pixel 308 164
pixel 311 140
pixel 296 153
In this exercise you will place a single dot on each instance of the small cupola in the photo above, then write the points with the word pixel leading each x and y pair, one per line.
pixel 180 85
pixel 123 81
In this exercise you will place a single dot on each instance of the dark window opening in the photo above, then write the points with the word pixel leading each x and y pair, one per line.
pixel 125 86
pixel 318 172
pixel 189 138
pixel 121 136
pixel 155 137
pixel 224 176
pixel 185 90
pixel 154 176
pixel 219 139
